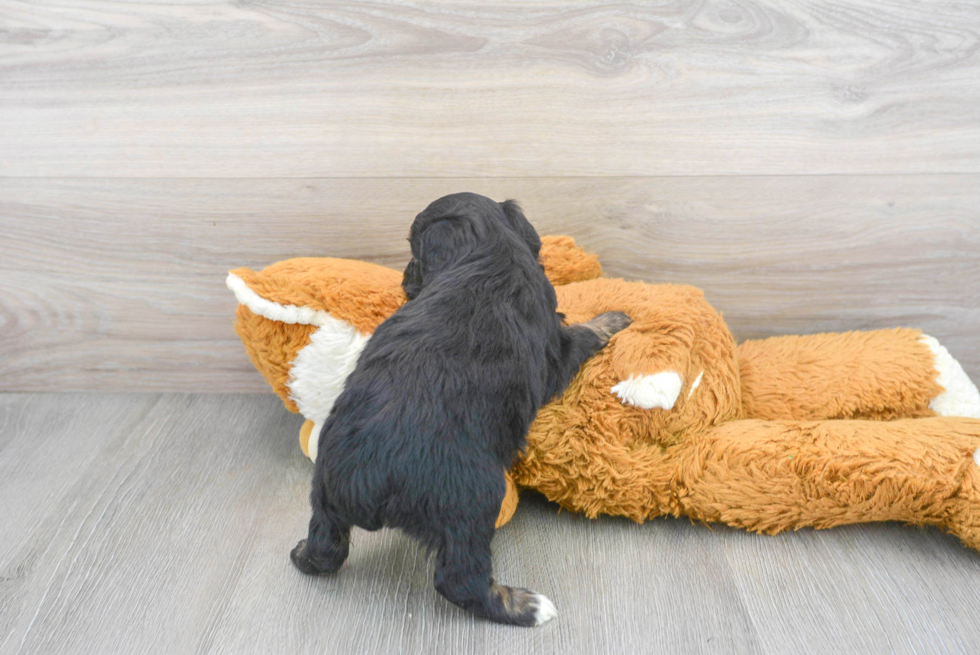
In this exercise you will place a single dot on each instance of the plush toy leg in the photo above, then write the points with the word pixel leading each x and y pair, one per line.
pixel 509 506
pixel 960 396
pixel 883 374
pixel 770 476
pixel 304 437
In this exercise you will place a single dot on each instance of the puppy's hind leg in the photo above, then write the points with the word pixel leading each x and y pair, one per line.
pixel 328 542
pixel 462 576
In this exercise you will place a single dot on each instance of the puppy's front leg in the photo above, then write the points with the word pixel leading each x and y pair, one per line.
pixel 581 341
pixel 605 325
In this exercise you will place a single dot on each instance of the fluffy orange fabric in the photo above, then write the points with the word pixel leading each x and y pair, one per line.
pixel 775 434
pixel 358 293
pixel 838 376
pixel 272 346
pixel 564 262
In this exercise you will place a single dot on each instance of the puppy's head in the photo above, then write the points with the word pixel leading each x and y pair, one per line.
pixel 454 226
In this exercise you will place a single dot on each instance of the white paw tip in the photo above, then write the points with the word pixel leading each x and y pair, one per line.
pixel 545 610
pixel 649 391
pixel 960 396
pixel 976 456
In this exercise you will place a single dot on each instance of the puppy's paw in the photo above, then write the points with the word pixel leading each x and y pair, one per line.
pixel 545 610
pixel 607 324
pixel 310 565
pixel 520 606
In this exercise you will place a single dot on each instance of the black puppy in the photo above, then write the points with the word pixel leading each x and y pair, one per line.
pixel 441 399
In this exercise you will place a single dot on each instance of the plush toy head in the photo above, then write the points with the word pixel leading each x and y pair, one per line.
pixel 671 417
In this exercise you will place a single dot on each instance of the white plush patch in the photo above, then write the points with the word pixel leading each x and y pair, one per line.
pixel 976 456
pixel 318 373
pixel 545 611
pixel 960 396
pixel 649 391
pixel 275 311
pixel 697 383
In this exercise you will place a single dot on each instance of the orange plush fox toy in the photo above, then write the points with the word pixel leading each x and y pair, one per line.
pixel 672 417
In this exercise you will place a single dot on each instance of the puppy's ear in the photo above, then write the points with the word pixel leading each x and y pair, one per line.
pixel 519 223
pixel 442 243
pixel 412 280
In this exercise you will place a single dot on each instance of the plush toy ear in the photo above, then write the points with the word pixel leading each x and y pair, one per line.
pixel 564 262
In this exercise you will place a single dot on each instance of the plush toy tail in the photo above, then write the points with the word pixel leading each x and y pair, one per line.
pixel 770 476
pixel 882 374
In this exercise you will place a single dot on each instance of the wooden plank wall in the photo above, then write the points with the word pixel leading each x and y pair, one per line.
pixel 813 166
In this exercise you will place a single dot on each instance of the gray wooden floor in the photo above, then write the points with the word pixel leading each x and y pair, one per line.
pixel 161 524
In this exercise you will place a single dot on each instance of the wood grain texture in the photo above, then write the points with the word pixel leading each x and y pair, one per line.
pixel 163 525
pixel 431 89
pixel 119 284
pixel 797 582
